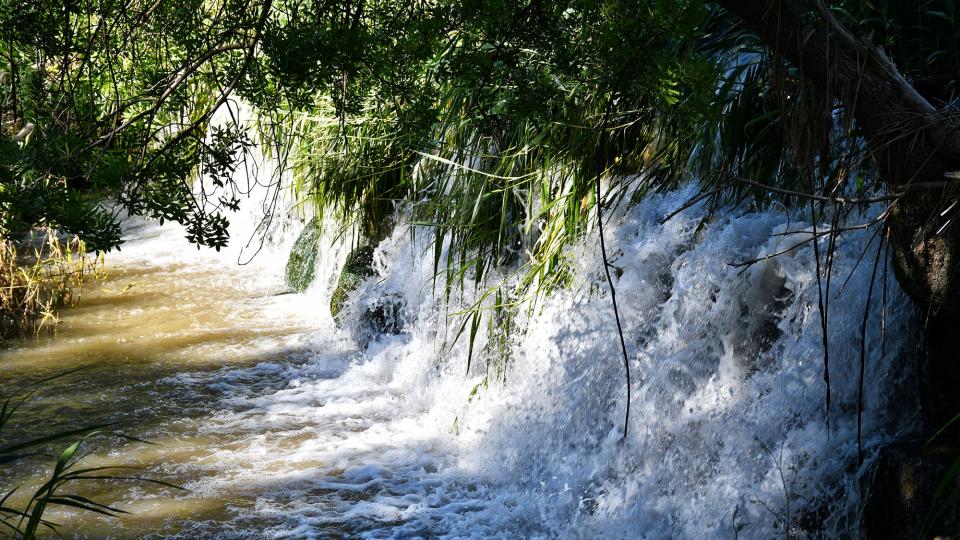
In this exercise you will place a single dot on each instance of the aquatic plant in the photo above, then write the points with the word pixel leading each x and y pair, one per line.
pixel 301 266
pixel 35 285
pixel 26 520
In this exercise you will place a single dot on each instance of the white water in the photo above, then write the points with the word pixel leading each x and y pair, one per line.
pixel 727 435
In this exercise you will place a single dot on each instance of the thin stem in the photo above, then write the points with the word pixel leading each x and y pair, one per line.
pixel 606 264
pixel 863 353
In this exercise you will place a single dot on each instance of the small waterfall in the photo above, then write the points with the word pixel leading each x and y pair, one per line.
pixel 335 430
pixel 728 434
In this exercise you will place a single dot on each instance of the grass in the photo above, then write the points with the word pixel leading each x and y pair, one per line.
pixel 38 277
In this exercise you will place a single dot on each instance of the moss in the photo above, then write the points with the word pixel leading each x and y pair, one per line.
pixel 357 267
pixel 302 264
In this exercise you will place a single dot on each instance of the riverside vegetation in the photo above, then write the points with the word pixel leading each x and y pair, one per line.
pixel 505 129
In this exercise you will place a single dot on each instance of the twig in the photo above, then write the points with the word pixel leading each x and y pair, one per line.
pixel 691 202
pixel 751 262
pixel 810 196
pixel 863 354
pixel 822 310
pixel 859 260
pixel 606 263
pixel 837 26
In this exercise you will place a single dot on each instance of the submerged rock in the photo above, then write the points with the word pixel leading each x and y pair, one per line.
pixel 378 313
pixel 383 316
pixel 762 307
pixel 357 267
pixel 302 264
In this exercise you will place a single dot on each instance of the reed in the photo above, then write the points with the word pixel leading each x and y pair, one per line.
pixel 38 277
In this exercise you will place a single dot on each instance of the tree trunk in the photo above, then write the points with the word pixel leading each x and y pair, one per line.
pixel 914 145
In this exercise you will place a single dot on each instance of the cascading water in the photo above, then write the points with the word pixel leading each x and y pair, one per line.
pixel 728 434
pixel 283 427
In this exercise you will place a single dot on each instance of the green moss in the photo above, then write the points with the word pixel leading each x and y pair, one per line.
pixel 302 264
pixel 357 267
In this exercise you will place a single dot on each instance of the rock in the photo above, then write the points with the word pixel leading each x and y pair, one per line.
pixel 763 306
pixel 302 264
pixel 357 267
pixel 381 317
pixel 371 318
pixel 901 491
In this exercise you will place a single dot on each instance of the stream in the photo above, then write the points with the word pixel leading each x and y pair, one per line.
pixel 282 425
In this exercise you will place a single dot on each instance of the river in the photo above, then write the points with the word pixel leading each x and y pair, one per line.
pixel 282 425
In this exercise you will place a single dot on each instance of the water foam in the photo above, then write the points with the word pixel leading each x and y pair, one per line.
pixel 728 433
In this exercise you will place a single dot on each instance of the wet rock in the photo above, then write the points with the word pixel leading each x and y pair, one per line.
pixel 302 264
pixel 357 267
pixel 762 307
pixel 902 499
pixel 383 316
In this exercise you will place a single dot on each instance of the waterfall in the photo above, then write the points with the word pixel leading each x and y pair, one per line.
pixel 728 433
pixel 301 427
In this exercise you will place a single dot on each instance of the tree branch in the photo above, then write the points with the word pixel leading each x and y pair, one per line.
pixel 850 69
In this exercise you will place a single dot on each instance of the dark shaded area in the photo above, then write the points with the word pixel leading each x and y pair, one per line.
pixel 901 502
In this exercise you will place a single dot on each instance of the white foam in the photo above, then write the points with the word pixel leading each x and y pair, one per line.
pixel 727 425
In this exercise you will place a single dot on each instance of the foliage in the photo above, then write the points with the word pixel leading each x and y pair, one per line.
pixel 108 101
pixel 494 129
pixel 491 117
pixel 490 131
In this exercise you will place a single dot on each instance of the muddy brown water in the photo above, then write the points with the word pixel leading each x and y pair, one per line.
pixel 160 345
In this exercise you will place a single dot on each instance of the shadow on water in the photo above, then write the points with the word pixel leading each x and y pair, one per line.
pixel 238 387
pixel 162 351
